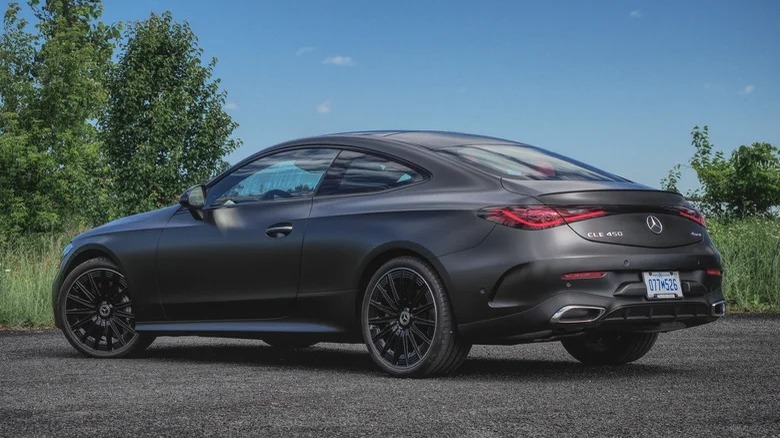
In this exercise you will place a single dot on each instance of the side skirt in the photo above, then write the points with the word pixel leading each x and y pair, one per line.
pixel 239 328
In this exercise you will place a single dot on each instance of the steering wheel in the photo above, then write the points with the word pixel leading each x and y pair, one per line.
pixel 273 193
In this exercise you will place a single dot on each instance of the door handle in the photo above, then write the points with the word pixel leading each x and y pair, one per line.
pixel 277 231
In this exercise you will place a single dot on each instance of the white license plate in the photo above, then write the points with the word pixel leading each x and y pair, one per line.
pixel 663 285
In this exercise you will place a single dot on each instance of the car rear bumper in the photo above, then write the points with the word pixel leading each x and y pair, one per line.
pixel 507 289
pixel 574 313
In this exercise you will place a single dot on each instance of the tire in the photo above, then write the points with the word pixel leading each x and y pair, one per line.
pixel 610 348
pixel 407 321
pixel 289 343
pixel 95 308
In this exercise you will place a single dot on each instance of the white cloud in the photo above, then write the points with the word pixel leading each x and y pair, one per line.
pixel 749 89
pixel 231 106
pixel 303 50
pixel 324 107
pixel 636 14
pixel 338 60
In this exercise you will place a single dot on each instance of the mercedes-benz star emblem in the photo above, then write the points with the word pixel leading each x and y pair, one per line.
pixel 655 224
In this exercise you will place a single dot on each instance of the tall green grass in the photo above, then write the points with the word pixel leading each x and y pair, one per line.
pixel 750 250
pixel 751 260
pixel 27 269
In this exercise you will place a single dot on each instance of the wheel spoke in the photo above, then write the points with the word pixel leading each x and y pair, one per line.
pixel 415 347
pixel 81 322
pixel 92 284
pixel 388 343
pixel 117 335
pixel 385 309
pixel 106 335
pixel 123 325
pixel 80 312
pixel 427 322
pixel 123 314
pixel 382 332
pixel 392 288
pixel 83 289
pixel 377 320
pixel 122 305
pixel 81 301
pixel 390 302
pixel 422 309
pixel 419 333
pixel 396 350
pixel 406 349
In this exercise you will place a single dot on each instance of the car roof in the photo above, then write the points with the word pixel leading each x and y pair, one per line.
pixel 429 139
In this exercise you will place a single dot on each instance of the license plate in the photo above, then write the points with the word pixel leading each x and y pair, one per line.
pixel 662 285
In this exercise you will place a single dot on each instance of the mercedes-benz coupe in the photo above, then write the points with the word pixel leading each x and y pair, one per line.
pixel 419 244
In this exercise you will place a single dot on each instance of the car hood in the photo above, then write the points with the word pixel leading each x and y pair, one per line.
pixel 142 221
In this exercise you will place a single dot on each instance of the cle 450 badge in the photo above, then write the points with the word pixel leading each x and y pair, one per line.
pixel 605 234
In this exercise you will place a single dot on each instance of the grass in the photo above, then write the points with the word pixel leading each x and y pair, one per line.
pixel 27 269
pixel 751 260
pixel 750 250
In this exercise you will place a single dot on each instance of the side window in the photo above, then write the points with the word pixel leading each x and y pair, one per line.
pixel 291 174
pixel 356 172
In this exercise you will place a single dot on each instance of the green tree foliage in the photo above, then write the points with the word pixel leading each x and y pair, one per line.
pixel 745 184
pixel 51 93
pixel 164 127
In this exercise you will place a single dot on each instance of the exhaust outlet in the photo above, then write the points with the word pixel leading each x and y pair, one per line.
pixel 577 314
pixel 719 308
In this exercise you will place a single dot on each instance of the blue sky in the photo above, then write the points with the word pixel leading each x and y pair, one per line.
pixel 618 84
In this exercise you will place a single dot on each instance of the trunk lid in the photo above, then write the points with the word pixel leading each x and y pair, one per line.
pixel 636 215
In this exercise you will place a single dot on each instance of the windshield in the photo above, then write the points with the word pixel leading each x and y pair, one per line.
pixel 526 162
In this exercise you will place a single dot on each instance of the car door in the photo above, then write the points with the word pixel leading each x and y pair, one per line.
pixel 242 259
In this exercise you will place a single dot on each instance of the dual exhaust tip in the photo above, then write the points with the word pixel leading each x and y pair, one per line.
pixel 577 314
pixel 586 314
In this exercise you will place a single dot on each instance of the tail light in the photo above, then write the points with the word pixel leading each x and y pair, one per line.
pixel 714 272
pixel 538 217
pixel 692 214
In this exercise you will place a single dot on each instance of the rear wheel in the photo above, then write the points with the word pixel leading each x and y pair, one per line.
pixel 407 321
pixel 96 311
pixel 610 348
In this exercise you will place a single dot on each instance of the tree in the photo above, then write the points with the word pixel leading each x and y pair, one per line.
pixel 164 127
pixel 746 183
pixel 51 92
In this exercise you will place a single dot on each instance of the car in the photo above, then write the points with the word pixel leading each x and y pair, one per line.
pixel 419 244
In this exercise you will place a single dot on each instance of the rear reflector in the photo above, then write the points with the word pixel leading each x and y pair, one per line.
pixel 583 275
pixel 538 217
pixel 714 272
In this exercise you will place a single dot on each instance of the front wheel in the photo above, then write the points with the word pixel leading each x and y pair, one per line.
pixel 96 311
pixel 610 348
pixel 407 321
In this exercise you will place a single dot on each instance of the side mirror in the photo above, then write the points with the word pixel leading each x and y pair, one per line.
pixel 194 199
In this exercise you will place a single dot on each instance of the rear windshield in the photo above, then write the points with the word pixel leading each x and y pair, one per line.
pixel 526 162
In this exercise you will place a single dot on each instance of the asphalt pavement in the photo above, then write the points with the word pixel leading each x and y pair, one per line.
pixel 722 379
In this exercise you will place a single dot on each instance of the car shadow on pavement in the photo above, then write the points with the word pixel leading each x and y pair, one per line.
pixel 355 359
pixel 260 354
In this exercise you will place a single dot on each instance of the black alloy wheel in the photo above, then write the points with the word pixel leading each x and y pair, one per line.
pixel 407 321
pixel 96 311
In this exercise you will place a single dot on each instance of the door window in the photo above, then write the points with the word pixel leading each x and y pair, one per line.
pixel 291 174
pixel 356 172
